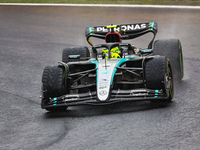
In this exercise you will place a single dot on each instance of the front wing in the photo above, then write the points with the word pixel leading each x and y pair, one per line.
pixel 90 98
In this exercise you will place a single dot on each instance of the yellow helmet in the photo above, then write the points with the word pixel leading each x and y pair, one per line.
pixel 115 53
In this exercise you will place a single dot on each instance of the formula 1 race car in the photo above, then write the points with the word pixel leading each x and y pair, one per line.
pixel 113 71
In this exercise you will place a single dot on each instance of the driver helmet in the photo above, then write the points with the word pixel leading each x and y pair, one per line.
pixel 114 53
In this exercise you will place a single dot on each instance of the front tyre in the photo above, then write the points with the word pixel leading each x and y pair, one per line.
pixel 53 85
pixel 158 74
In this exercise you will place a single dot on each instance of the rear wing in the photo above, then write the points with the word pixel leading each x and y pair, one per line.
pixel 127 31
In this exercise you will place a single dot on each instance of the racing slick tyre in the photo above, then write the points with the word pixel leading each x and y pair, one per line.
pixel 82 51
pixel 171 48
pixel 53 85
pixel 157 71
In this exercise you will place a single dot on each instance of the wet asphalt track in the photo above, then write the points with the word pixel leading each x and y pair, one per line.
pixel 33 37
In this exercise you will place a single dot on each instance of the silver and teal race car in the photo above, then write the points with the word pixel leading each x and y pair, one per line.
pixel 113 71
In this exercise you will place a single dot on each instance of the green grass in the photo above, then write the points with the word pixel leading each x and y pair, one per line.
pixel 143 2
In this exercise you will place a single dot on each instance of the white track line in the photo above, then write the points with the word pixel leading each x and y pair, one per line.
pixel 102 5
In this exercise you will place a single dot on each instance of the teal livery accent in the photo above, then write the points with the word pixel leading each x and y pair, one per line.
pixel 121 61
pixel 146 50
pixel 94 62
pixel 106 72
pixel 74 56
pixel 156 93
pixel 152 24
pixel 90 30
pixel 55 101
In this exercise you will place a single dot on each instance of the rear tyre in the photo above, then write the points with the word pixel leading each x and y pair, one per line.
pixel 82 51
pixel 157 72
pixel 171 48
pixel 53 79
